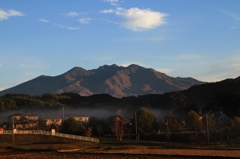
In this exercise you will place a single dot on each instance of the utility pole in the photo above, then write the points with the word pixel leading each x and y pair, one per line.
pixel 62 113
pixel 13 130
pixel 207 128
pixel 168 132
pixel 167 127
pixel 136 129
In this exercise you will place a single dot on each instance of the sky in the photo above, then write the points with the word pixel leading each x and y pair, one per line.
pixel 181 38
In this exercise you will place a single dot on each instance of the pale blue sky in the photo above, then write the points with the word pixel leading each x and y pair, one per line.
pixel 186 38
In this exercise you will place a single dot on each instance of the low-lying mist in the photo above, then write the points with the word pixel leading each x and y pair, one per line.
pixel 80 112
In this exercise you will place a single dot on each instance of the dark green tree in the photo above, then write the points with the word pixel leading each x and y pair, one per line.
pixel 7 104
pixel 145 120
pixel 42 124
pixel 96 125
pixel 71 126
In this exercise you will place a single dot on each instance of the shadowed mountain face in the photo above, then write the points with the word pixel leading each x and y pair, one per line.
pixel 115 80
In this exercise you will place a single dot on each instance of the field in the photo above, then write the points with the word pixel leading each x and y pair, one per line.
pixel 109 149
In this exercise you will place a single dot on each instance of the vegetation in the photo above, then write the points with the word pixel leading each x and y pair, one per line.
pixel 71 126
pixel 193 120
pixel 220 96
pixel 145 120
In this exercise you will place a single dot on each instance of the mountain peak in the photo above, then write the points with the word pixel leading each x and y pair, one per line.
pixel 76 71
pixel 115 80
pixel 133 68
pixel 107 66
pixel 134 65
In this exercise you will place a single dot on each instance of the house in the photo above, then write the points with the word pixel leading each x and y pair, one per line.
pixel 220 116
pixel 32 120
pixel 55 121
pixel 23 121
pixel 15 120
pixel 84 119
pixel 31 117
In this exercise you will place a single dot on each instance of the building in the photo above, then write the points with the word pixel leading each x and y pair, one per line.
pixel 84 119
pixel 56 122
pixel 23 121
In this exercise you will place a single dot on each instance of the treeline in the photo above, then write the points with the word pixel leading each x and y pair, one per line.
pixel 181 102
pixel 54 101
pixel 144 125
pixel 14 101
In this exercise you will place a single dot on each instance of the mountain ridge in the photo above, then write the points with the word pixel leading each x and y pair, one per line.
pixel 115 80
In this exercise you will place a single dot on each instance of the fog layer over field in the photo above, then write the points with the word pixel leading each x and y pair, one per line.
pixel 67 112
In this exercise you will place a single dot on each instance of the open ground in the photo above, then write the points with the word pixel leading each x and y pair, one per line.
pixel 109 148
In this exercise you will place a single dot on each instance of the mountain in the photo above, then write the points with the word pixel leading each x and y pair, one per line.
pixel 115 80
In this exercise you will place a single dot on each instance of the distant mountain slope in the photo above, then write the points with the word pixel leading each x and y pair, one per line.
pixel 115 80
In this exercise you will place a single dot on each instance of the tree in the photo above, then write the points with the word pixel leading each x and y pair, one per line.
pixel 145 120
pixel 119 127
pixel 96 125
pixel 236 125
pixel 42 124
pixel 71 126
pixel 208 121
pixel 173 122
pixel 89 132
pixel 193 120
pixel 7 104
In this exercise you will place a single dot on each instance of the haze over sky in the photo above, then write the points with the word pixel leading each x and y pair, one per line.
pixel 186 38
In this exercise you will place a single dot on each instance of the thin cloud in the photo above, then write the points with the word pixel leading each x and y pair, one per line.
pixel 1 65
pixel 44 20
pixel 137 19
pixel 112 2
pixel 84 20
pixel 5 14
pixel 107 11
pixel 61 25
pixel 68 27
pixel 72 14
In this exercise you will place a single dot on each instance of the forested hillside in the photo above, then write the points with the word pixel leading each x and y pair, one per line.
pixel 220 96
